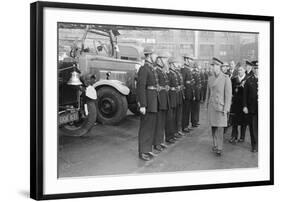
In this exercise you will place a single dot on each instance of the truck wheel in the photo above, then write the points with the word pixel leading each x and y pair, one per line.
pixel 81 127
pixel 112 106
pixel 134 109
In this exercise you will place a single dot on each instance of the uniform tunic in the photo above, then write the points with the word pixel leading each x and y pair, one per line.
pixel 163 99
pixel 195 110
pixel 171 128
pixel 180 98
pixel 147 77
pixel 188 82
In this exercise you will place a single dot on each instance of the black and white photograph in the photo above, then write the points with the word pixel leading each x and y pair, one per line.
pixel 148 100
pixel 128 100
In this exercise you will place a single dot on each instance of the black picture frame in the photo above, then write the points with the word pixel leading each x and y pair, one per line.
pixel 37 99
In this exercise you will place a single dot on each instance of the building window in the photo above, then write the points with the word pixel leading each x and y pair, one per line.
pixel 226 50
pixel 206 51
pixel 206 35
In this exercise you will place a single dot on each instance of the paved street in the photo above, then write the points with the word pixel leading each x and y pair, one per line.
pixel 109 150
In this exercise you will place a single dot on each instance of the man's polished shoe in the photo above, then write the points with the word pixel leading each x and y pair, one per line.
pixel 145 156
pixel 171 141
pixel 181 133
pixel 158 148
pixel 219 152
pixel 241 140
pixel 152 154
pixel 177 135
pixel 232 140
pixel 163 146
pixel 186 130
pixel 214 148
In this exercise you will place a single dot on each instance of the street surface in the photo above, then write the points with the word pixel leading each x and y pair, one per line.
pixel 110 150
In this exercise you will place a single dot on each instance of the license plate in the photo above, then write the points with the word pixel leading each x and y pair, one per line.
pixel 69 117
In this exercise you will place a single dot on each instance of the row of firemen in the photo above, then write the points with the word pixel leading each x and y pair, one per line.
pixel 169 98
pixel 169 101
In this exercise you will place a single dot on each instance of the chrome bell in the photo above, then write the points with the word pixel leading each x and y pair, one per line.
pixel 74 79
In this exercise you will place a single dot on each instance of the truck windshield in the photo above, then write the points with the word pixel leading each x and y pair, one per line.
pixel 97 44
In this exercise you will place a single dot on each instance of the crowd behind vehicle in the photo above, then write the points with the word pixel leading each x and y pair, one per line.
pixel 169 95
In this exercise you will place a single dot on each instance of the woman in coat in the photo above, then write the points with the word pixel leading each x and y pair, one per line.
pixel 236 110
pixel 218 104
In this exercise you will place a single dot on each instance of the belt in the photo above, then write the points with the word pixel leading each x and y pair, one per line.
pixel 164 88
pixel 159 88
pixel 152 88
pixel 178 88
pixel 173 88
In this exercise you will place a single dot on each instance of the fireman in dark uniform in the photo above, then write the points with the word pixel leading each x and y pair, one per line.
pixel 188 92
pixel 203 89
pixel 171 127
pixel 147 83
pixel 163 100
pixel 195 106
pixel 205 84
pixel 180 97
pixel 250 104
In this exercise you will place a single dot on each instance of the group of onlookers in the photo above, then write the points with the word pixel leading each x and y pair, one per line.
pixel 244 108
pixel 234 91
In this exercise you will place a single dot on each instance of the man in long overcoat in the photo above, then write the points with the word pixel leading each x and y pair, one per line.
pixel 218 102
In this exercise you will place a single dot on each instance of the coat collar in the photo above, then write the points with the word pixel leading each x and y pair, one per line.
pixel 214 80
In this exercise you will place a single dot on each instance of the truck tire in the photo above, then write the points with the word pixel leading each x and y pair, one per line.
pixel 134 109
pixel 112 106
pixel 84 125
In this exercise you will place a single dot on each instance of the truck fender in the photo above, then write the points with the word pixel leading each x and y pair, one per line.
pixel 118 85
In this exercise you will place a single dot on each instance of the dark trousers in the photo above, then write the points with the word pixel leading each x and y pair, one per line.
pixel 186 113
pixel 234 132
pixel 170 127
pixel 195 109
pixel 160 127
pixel 203 93
pixel 252 120
pixel 179 117
pixel 146 131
